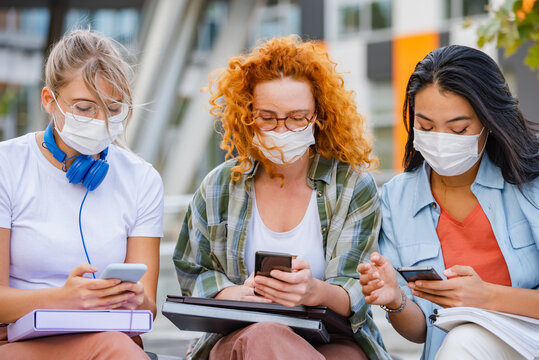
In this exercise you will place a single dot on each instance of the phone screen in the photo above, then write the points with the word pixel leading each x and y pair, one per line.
pixel 411 274
pixel 266 261
pixel 124 271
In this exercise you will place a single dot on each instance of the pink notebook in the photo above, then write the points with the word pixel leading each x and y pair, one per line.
pixel 46 322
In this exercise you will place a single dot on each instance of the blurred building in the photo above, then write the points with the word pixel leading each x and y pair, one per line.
pixel 175 44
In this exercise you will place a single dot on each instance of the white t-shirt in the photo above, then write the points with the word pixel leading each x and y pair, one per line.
pixel 304 241
pixel 41 208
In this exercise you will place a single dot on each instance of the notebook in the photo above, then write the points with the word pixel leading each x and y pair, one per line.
pixel 520 332
pixel 46 322
pixel 314 323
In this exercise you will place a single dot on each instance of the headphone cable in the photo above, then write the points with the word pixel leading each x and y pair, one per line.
pixel 80 228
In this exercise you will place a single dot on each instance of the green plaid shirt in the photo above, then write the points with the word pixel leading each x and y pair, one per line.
pixel 209 255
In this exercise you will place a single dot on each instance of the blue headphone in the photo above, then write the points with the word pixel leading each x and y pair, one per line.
pixel 84 168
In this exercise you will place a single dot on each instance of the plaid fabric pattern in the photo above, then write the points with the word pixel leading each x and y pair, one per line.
pixel 209 254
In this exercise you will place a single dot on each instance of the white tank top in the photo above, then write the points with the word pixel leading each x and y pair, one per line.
pixel 304 241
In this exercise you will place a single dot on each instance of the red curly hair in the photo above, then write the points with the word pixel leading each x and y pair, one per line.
pixel 339 129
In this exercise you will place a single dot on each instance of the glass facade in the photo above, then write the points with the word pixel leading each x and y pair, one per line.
pixel 23 39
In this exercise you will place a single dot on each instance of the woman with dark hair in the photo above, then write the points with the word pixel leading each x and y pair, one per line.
pixel 470 210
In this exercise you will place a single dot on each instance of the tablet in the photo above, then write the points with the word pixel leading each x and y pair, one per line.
pixel 223 316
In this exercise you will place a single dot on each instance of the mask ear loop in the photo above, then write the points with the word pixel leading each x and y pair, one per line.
pixel 486 138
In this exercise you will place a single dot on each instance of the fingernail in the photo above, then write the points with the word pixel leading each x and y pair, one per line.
pixel 418 283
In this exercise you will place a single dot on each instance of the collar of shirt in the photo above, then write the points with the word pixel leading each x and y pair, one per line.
pixel 488 175
pixel 320 170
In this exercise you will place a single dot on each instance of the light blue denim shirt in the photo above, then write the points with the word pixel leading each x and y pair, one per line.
pixel 410 216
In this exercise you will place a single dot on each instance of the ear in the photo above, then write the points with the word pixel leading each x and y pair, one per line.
pixel 47 100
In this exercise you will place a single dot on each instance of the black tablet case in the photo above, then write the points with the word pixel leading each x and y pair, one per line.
pixel 314 323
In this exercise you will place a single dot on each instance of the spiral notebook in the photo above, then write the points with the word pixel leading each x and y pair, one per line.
pixel 46 322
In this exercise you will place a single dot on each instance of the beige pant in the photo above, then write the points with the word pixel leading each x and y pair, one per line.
pixel 95 346
pixel 269 340
pixel 471 341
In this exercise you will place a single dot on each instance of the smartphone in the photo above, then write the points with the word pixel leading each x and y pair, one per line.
pixel 265 261
pixel 124 271
pixel 414 273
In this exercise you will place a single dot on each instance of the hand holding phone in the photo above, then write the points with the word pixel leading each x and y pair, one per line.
pixel 413 273
pixel 124 271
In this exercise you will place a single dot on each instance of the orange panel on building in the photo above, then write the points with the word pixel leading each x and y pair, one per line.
pixel 407 52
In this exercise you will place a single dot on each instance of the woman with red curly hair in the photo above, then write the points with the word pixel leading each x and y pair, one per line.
pixel 295 182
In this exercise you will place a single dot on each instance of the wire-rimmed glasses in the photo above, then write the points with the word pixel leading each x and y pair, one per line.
pixel 89 110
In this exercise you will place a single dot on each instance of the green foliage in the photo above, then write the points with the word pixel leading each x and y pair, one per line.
pixel 7 95
pixel 511 26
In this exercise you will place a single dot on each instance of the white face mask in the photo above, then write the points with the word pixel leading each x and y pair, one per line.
pixel 86 135
pixel 292 144
pixel 448 154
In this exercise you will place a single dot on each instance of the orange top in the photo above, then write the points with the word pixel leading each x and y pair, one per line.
pixel 471 242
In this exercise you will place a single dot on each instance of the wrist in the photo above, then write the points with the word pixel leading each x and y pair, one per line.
pixel 491 295
pixel 56 298
pixel 396 310
pixel 228 293
pixel 397 299
pixel 318 293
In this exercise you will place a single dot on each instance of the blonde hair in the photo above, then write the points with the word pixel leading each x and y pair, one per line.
pixel 94 56
pixel 339 129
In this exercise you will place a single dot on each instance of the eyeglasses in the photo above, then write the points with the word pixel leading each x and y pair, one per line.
pixel 89 110
pixel 269 122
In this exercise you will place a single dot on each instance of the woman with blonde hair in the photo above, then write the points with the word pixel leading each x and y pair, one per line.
pixel 51 251
pixel 295 183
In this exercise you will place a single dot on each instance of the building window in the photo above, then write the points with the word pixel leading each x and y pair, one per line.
pixel 381 15
pixel 383 146
pixel 122 25
pixel 474 7
pixel 463 8
pixel 382 121
pixel 447 9
pixel 279 18
pixel 358 17
pixel 208 30
pixel 349 19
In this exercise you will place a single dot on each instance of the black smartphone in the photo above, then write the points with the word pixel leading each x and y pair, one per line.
pixel 414 273
pixel 265 261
